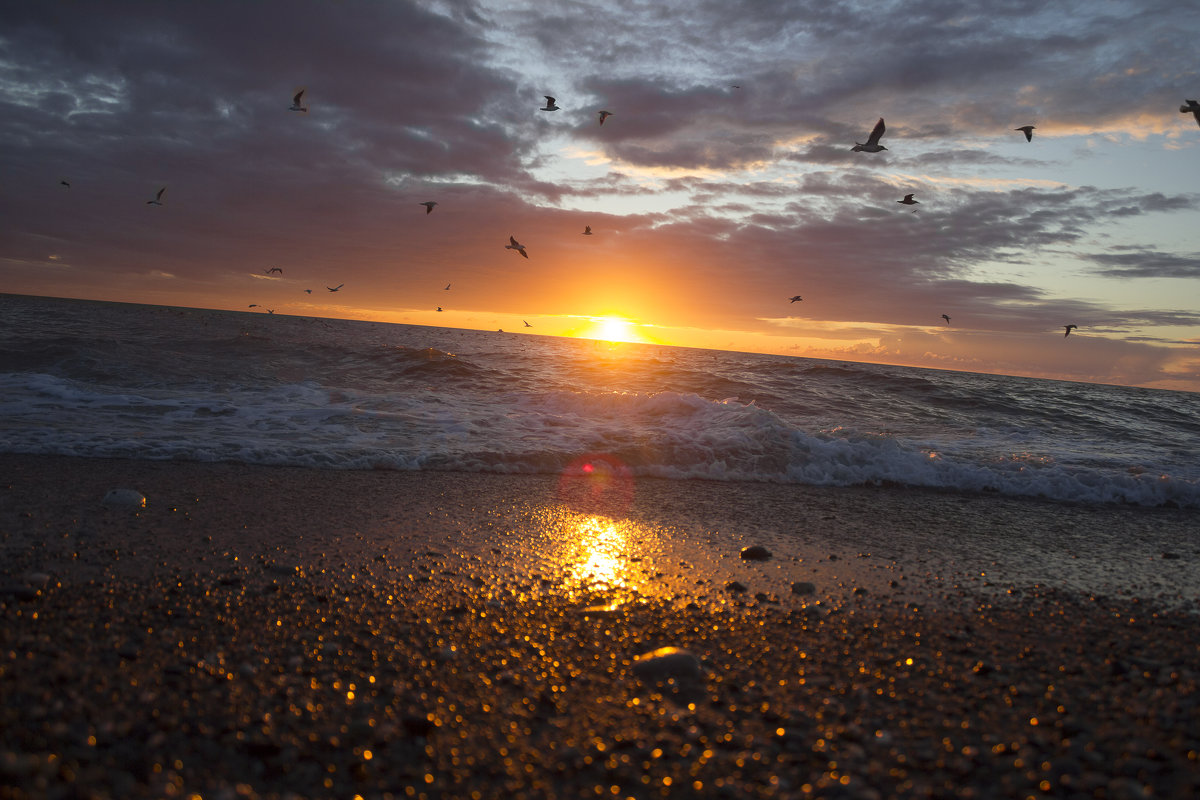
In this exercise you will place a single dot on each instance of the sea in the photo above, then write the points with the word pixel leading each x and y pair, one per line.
pixel 116 380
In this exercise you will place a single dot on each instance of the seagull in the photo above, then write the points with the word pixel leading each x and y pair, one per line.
pixel 252 305
pixel 157 201
pixel 794 299
pixel 604 115
pixel 308 291
pixel 1028 131
pixel 550 106
pixel 275 269
pixel 335 288
pixel 439 308
pixel 1191 107
pixel 429 204
pixel 447 287
pixel 908 201
pixel 946 318
pixel 527 325
pixel 1068 327
pixel 270 311
pixel 520 248
pixel 587 230
pixel 872 145
pixel 64 183
pixel 296 102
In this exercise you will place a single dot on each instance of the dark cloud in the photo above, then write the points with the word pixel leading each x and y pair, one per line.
pixel 1146 263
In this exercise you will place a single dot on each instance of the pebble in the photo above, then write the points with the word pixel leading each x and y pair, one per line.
pixel 124 498
pixel 755 552
pixel 666 663
pixel 803 587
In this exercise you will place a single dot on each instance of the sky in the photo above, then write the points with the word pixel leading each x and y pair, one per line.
pixel 723 184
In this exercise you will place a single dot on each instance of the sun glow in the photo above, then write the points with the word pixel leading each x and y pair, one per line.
pixel 612 329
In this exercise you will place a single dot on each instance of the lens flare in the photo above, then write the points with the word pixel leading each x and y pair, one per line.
pixel 596 483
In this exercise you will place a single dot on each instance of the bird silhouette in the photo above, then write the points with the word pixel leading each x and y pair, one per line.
pixel 872 145
pixel 1069 329
pixel 1028 129
pixel 296 102
pixel 515 245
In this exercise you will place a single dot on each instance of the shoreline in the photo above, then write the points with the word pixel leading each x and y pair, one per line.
pixel 282 632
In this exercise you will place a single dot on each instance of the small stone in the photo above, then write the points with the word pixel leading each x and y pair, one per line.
pixel 735 586
pixel 124 498
pixel 1170 556
pixel 666 663
pixel 803 587
pixel 755 552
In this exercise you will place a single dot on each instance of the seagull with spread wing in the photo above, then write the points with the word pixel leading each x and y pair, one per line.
pixel 872 145
pixel 515 245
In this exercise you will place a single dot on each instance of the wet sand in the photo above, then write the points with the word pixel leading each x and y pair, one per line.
pixel 280 632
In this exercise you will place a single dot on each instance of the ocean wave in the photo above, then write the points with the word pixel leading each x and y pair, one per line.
pixel 677 435
pixel 92 379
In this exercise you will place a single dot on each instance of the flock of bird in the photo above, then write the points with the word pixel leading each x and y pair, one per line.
pixel 872 145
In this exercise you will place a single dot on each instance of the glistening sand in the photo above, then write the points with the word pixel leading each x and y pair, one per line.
pixel 280 632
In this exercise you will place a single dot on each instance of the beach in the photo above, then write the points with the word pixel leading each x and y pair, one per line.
pixel 261 631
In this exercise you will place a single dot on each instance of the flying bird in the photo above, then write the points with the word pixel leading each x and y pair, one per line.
pixel 515 245
pixel 157 201
pixel 447 287
pixel 794 299
pixel 308 291
pixel 1028 131
pixel 908 201
pixel 1069 327
pixel 1191 107
pixel 275 269
pixel 527 325
pixel 550 106
pixel 439 308
pixel 872 145
pixel 335 288
pixel 296 102
pixel 252 305
pixel 429 204
pixel 604 115
pixel 946 318
pixel 270 311
pixel 64 183
pixel 587 230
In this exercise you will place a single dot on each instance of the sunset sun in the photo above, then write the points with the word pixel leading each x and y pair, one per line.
pixel 612 329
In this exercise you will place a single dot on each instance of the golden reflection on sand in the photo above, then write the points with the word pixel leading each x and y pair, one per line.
pixel 598 554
